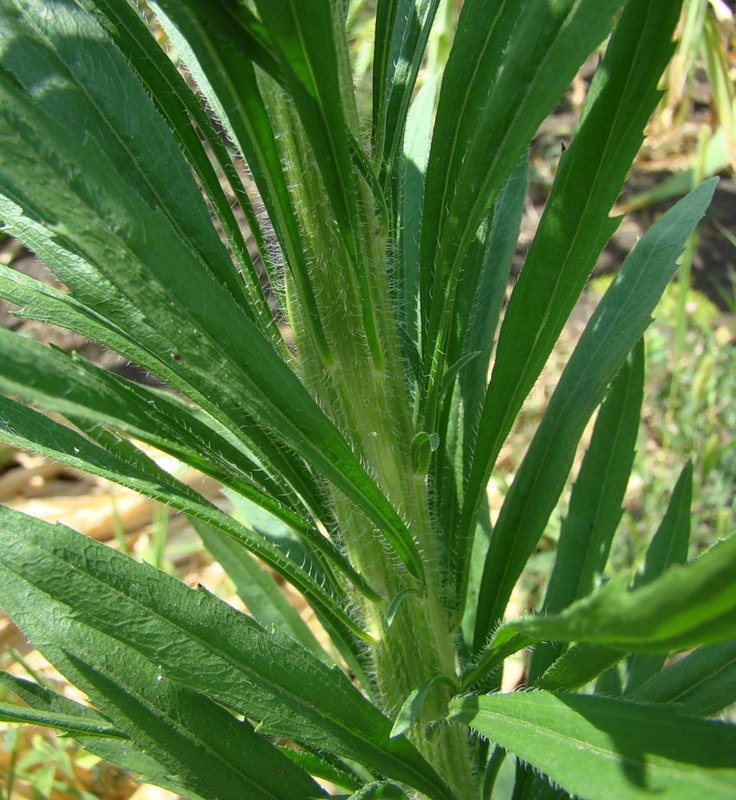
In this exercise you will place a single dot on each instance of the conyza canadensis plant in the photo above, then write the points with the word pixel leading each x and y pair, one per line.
pixel 356 449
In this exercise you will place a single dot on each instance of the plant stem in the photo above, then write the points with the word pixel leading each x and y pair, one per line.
pixel 369 401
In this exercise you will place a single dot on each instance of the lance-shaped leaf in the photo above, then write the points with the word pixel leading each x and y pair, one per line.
pixel 188 121
pixel 220 58
pixel 595 501
pixel 92 730
pixel 702 683
pixel 122 463
pixel 44 707
pixel 575 225
pixel 685 607
pixel 57 382
pixel 498 86
pixel 135 249
pixel 309 46
pixel 402 30
pixel 669 546
pixel 616 325
pixel 198 641
pixel 603 748
pixel 202 746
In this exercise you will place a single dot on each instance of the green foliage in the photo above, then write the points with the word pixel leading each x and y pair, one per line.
pixel 357 458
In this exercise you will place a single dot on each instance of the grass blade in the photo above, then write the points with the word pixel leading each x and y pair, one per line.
pixel 631 749
pixel 615 327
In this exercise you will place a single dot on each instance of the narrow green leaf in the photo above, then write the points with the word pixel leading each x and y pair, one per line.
pixel 578 666
pixel 413 165
pixel 197 640
pixel 401 33
pixel 613 330
pixel 41 49
pixel 135 341
pixel 24 427
pixel 411 709
pixel 73 725
pixel 395 606
pixel 509 64
pixel 379 789
pixel 182 111
pixel 220 60
pixel 575 225
pixel 44 707
pixel 51 379
pixel 668 546
pixel 686 606
pixel 702 683
pixel 118 750
pixel 609 749
pixel 309 47
pixel 320 767
pixel 596 498
pixel 202 746
pixel 485 281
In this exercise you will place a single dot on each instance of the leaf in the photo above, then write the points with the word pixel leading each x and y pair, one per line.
pixel 52 379
pixel 702 683
pixel 221 64
pixel 42 302
pixel 44 707
pixel 137 250
pixel 401 32
pixel 118 749
pixel 668 546
pixel 411 709
pixel 202 746
pixel 413 167
pixel 508 65
pixel 122 463
pixel 196 640
pixel 379 789
pixel 595 501
pixel 312 58
pixel 187 119
pixel 613 330
pixel 575 225
pixel 578 666
pixel 685 607
pixel 611 749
